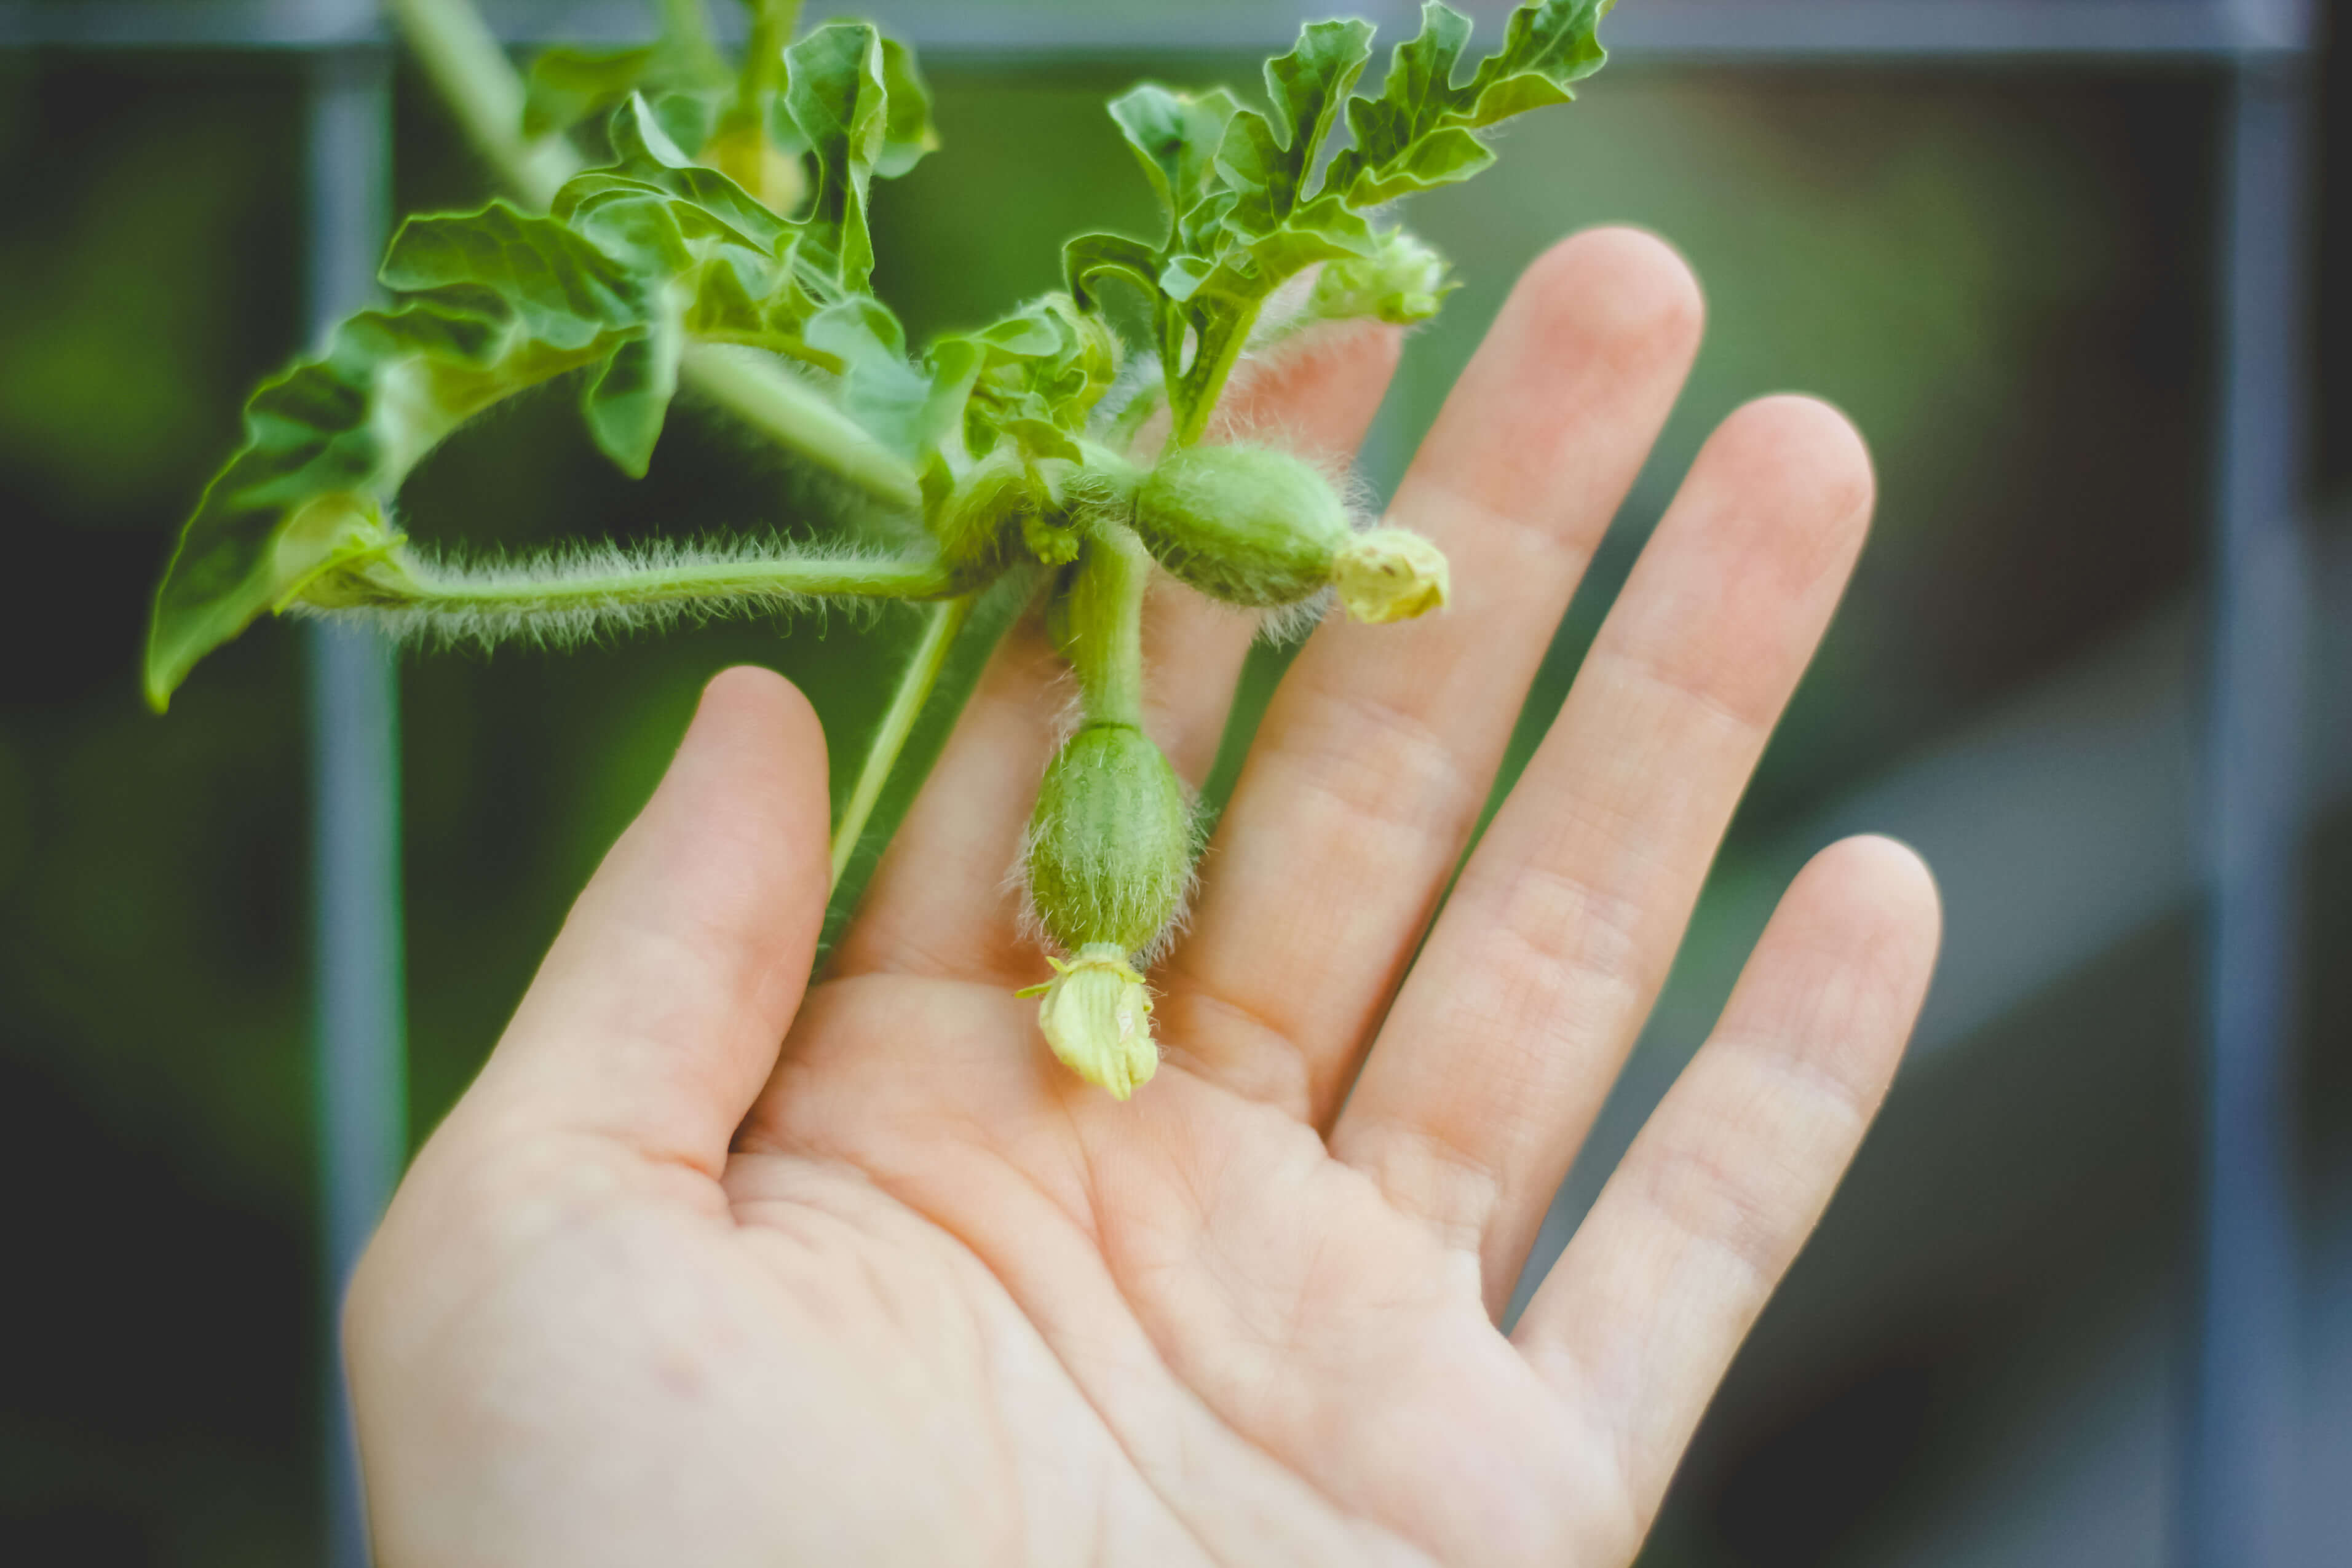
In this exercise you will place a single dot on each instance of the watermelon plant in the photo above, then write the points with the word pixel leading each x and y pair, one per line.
pixel 1040 459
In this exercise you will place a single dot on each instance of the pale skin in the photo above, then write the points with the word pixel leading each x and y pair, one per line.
pixel 715 1266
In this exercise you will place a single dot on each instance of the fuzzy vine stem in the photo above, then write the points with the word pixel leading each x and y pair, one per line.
pixel 777 577
pixel 1193 397
pixel 480 84
pixel 922 673
pixel 1100 626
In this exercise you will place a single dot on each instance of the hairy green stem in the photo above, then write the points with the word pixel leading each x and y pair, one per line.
pixel 835 577
pixel 898 722
pixel 1100 625
pixel 1193 395
pixel 478 81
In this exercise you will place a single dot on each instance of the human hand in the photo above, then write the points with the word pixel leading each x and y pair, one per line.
pixel 905 1291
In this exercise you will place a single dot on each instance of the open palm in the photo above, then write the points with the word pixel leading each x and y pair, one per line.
pixel 904 1290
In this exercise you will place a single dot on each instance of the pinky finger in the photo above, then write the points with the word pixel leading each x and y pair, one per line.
pixel 1638 1322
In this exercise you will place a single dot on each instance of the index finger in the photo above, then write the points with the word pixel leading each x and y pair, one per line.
pixel 657 1014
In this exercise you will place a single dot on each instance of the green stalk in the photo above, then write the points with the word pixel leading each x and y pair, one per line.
pixel 906 706
pixel 689 24
pixel 844 577
pixel 773 22
pixel 774 401
pixel 1194 396
pixel 1100 626
pixel 480 84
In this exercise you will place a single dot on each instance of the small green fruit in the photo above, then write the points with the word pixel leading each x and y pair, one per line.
pixel 1110 853
pixel 1110 843
pixel 1249 525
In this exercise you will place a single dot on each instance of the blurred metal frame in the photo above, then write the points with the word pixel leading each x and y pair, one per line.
pixel 1680 30
pixel 2239 1425
pixel 359 1047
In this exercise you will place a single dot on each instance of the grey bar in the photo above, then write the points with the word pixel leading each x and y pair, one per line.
pixel 225 25
pixel 1664 31
pixel 2237 1498
pixel 1736 30
pixel 360 1069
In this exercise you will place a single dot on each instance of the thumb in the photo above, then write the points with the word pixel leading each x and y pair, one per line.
pixel 659 1011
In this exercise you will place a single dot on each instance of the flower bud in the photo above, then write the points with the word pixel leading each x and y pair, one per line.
pixel 1388 574
pixel 1096 1017
pixel 1402 282
pixel 1249 525
pixel 981 524
pixel 1110 844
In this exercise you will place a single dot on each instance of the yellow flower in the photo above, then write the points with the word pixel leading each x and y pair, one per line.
pixel 1097 1015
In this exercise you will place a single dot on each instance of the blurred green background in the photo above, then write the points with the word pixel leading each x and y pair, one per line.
pixel 2004 276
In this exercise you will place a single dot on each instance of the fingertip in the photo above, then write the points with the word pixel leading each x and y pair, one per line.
pixel 1565 395
pixel 1317 393
pixel 1885 873
pixel 759 705
pixel 1876 896
pixel 1781 498
pixel 755 748
pixel 1810 450
pixel 1623 291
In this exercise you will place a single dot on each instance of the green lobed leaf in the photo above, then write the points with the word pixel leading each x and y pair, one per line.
pixel 838 97
pixel 878 387
pixel 645 150
pixel 327 445
pixel 568 285
pixel 688 118
pixel 1546 47
pixel 1266 158
pixel 1039 372
pixel 1175 137
pixel 629 399
pixel 1090 257
pixel 908 134
pixel 562 287
pixel 636 260
pixel 1419 133
pixel 1247 213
